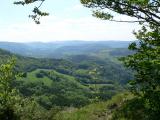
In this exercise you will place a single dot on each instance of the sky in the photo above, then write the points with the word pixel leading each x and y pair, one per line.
pixel 68 20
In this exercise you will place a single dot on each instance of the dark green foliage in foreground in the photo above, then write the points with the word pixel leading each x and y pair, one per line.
pixel 131 110
pixel 13 106
pixel 146 63
pixel 8 95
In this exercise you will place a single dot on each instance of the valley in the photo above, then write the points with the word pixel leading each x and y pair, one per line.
pixel 76 78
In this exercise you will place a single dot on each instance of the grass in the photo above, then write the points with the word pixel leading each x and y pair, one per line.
pixel 68 77
pixel 100 85
pixel 31 77
pixel 95 111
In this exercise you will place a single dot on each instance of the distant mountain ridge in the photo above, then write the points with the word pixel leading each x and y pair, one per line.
pixel 59 49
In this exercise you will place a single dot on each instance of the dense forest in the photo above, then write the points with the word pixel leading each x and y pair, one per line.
pixel 72 81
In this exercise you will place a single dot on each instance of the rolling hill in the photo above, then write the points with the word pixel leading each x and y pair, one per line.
pixel 63 48
pixel 74 81
pixel 58 82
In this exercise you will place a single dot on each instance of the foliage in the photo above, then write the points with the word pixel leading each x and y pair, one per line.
pixel 64 83
pixel 146 63
pixel 142 10
pixel 146 60
pixel 8 95
pixel 39 75
pixel 54 89
pixel 130 110
pixel 124 106
pixel 57 89
pixel 73 68
pixel 96 111
pixel 37 13
pixel 13 106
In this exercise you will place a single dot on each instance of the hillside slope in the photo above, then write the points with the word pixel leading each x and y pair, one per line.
pixel 79 66
pixel 124 106
pixel 97 111
pixel 57 82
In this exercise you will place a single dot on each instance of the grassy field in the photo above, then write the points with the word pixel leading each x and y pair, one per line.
pixel 31 77
pixel 95 111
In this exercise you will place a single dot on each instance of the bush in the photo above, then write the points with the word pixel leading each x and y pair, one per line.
pixel 39 75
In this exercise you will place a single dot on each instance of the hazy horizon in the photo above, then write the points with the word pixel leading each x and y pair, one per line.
pixel 66 41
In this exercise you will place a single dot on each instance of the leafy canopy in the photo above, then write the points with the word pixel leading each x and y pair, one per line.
pixel 37 13
pixel 144 10
pixel 9 98
pixel 146 61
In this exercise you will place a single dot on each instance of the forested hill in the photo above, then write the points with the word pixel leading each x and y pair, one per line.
pixel 78 65
pixel 66 81
pixel 27 64
pixel 76 58
pixel 76 81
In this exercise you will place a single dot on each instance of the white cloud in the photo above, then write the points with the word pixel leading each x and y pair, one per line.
pixel 70 25
pixel 54 28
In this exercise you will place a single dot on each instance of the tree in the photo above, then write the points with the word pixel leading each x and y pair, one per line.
pixel 12 105
pixel 8 95
pixel 39 75
pixel 37 13
pixel 145 11
pixel 146 61
pixel 146 64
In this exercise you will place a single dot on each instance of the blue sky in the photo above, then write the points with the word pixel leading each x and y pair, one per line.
pixel 68 20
